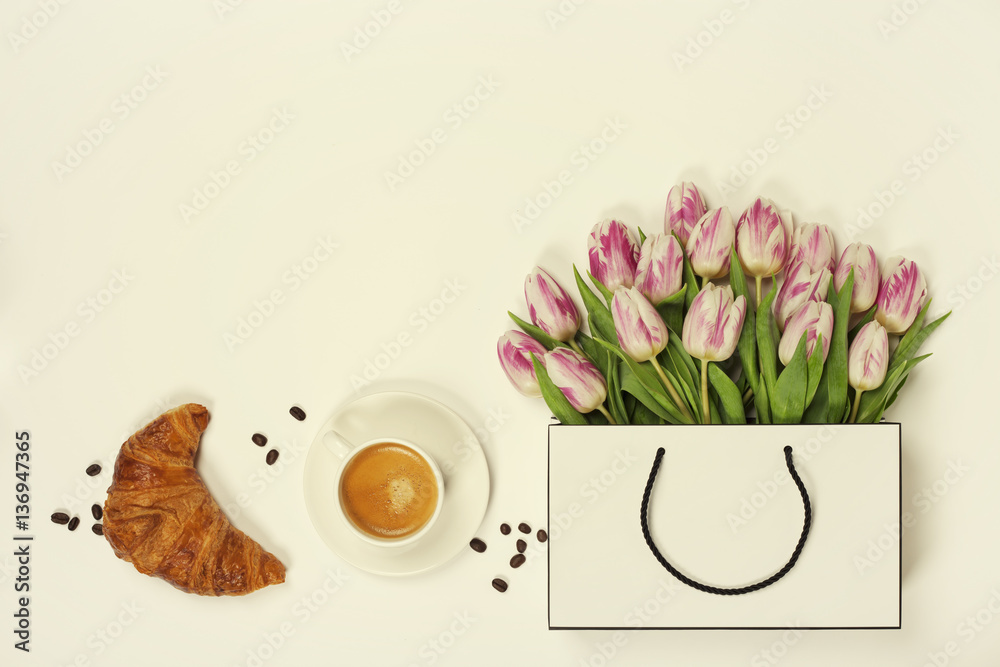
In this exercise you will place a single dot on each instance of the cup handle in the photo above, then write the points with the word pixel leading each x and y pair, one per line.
pixel 337 444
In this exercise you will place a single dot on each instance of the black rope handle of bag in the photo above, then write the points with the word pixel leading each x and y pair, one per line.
pixel 807 522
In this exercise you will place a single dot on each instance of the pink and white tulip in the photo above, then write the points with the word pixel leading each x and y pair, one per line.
pixel 762 239
pixel 579 380
pixel 712 325
pixel 813 245
pixel 550 307
pixel 868 357
pixel 613 253
pixel 861 258
pixel 685 207
pixel 641 331
pixel 710 243
pixel 801 285
pixel 660 272
pixel 813 318
pixel 901 296
pixel 514 349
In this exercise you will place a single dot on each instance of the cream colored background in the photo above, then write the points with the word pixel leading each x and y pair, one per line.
pixel 160 341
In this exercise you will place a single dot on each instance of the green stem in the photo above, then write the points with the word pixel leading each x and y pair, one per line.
pixel 672 390
pixel 857 402
pixel 760 280
pixel 748 394
pixel 573 344
pixel 611 420
pixel 704 392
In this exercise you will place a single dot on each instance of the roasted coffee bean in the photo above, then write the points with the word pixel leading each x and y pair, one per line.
pixel 500 584
pixel 517 560
pixel 61 518
pixel 522 546
pixel 272 456
pixel 504 529
pixel 73 523
pixel 524 528
pixel 97 511
pixel 297 412
pixel 259 439
pixel 94 470
pixel 98 529
pixel 477 545
pixel 542 535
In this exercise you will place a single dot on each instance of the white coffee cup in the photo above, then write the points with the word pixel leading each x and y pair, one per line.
pixel 347 452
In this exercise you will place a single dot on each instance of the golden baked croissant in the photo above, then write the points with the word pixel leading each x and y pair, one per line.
pixel 160 517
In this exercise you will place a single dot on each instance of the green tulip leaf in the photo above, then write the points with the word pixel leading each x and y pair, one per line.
pixel 915 337
pixel 814 370
pixel 730 398
pixel 788 402
pixel 869 316
pixel 594 352
pixel 642 237
pixel 767 341
pixel 760 400
pixel 554 398
pixel 836 360
pixel 605 292
pixel 615 401
pixel 690 281
pixel 602 325
pixel 645 375
pixel 671 310
pixel 747 345
pixel 548 341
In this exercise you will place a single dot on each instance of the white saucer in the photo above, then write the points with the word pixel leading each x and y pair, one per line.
pixel 443 435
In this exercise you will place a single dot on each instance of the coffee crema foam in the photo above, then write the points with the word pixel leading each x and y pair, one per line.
pixel 388 491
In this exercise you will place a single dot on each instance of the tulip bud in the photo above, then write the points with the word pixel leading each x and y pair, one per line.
pixel 868 357
pixel 712 325
pixel 812 244
pixel 761 239
pixel 813 319
pixel 514 350
pixel 641 331
pixel 801 285
pixel 901 296
pixel 550 307
pixel 660 272
pixel 861 258
pixel 577 378
pixel 685 207
pixel 613 254
pixel 710 243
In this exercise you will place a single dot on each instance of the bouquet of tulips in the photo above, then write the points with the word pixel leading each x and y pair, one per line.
pixel 664 338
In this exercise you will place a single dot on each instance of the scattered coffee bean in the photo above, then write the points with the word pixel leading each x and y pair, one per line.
pixel 517 560
pixel 504 529
pixel 542 535
pixel 500 584
pixel 524 528
pixel 272 456
pixel 61 518
pixel 297 412
pixel 73 523
pixel 98 529
pixel 477 545
pixel 94 470
pixel 97 511
pixel 522 546
pixel 259 439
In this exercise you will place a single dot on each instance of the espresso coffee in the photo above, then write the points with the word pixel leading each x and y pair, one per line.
pixel 388 491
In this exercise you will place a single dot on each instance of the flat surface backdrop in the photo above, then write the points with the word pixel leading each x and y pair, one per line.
pixel 259 204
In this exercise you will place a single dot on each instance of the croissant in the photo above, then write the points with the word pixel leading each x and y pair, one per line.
pixel 160 517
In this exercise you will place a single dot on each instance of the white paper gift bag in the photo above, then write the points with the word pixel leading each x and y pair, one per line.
pixel 725 512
